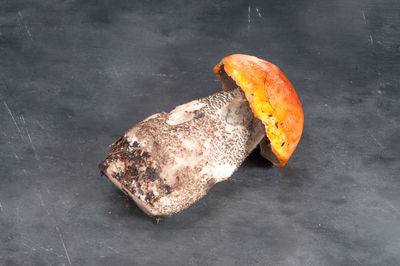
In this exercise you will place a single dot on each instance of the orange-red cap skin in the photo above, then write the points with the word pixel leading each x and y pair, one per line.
pixel 272 99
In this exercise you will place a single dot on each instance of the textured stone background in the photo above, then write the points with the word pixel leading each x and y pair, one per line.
pixel 76 74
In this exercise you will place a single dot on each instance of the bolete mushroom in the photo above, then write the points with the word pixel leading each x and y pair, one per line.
pixel 169 161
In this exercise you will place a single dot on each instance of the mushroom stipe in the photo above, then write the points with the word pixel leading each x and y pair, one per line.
pixel 169 161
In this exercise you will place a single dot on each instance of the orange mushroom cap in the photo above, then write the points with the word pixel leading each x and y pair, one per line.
pixel 272 99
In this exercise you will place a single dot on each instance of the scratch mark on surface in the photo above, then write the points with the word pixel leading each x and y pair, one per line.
pixel 258 12
pixel 65 203
pixel 40 125
pixel 63 243
pixel 356 259
pixel 41 200
pixel 371 40
pixel 29 136
pixel 334 156
pixel 36 246
pixel 16 156
pixel 393 207
pixel 12 117
pixel 1 207
pixel 25 26
pixel 116 73
pixel 31 248
pixel 113 249
pixel 248 17
pixel 376 141
pixel 30 139
pixel 363 14
pixel 23 119
pixel 43 204
pixel 161 75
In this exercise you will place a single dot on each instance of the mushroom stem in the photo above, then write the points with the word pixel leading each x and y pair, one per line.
pixel 170 160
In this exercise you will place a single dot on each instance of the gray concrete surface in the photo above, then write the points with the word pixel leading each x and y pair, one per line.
pixel 76 74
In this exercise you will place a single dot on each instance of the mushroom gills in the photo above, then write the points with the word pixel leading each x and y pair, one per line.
pixel 169 161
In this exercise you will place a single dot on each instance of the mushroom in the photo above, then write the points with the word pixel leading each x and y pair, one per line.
pixel 169 161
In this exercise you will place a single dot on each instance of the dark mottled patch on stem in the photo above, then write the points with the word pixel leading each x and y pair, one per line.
pixel 150 197
pixel 198 115
pixel 167 188
pixel 150 174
